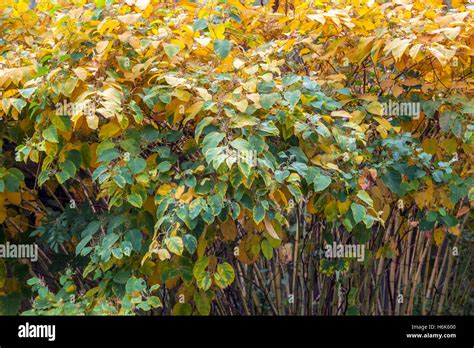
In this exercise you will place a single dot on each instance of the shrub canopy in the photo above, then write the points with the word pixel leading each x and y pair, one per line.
pixel 157 150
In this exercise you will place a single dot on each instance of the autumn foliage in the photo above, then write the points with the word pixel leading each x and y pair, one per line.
pixel 187 158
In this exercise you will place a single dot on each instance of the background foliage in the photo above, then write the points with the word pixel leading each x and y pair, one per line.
pixel 138 202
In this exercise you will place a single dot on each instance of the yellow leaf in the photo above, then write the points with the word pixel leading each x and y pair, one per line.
pixel 383 122
pixel 438 236
pixel 219 31
pixel 238 63
pixel 175 245
pixel 81 73
pixel 174 81
pixel 442 54
pixel 163 254
pixel 182 95
pixel 375 108
pixel 229 229
pixel 164 189
pixel 101 46
pixel 179 192
pixel 454 230
pixel 203 93
pixel 3 214
pixel 430 146
pixel 13 197
pixel 107 24
pixel 341 113
pixel 109 130
pixel 270 229
pixel 92 121
pixel 241 105
pixel 142 4
pixel 414 50
pixel 397 47
pixel 357 116
pixel 343 207
pixel 193 110
pixel 130 18
pixel 203 41
pixel 69 86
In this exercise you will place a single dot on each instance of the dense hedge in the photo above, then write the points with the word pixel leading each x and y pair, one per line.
pixel 193 158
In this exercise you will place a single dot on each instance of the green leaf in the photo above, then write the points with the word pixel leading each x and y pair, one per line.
pixel 68 167
pixel 27 92
pixel 82 244
pixel 135 237
pixel 225 275
pixel 172 49
pixel 18 104
pixel 154 301
pixel 267 100
pixel 364 197
pixel 138 116
pixel 182 309
pixel 212 139
pixel 321 182
pixel 135 284
pixel 358 212
pixel 429 107
pixel 235 210
pixel 296 192
pixel 204 281
pixel 446 120
pixel 62 177
pixel 199 24
pixel 288 80
pixel 269 127
pixel 292 97
pixel 137 165
pixel 164 166
pixel 235 177
pixel 51 134
pixel 241 144
pixel 13 179
pixel 206 121
pixel 267 249
pixel 119 180
pixel 200 266
pixel 216 204
pixel 175 245
pixel 258 213
pixel 135 200
pixel 131 145
pixel 124 63
pixel 203 278
pixel 281 175
pixel 10 304
pixel 91 229
pixel 190 243
pixel 203 305
pixel 222 48
pixel 62 122
pixel 109 240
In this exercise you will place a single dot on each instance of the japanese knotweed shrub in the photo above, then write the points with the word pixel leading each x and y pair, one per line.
pixel 194 158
